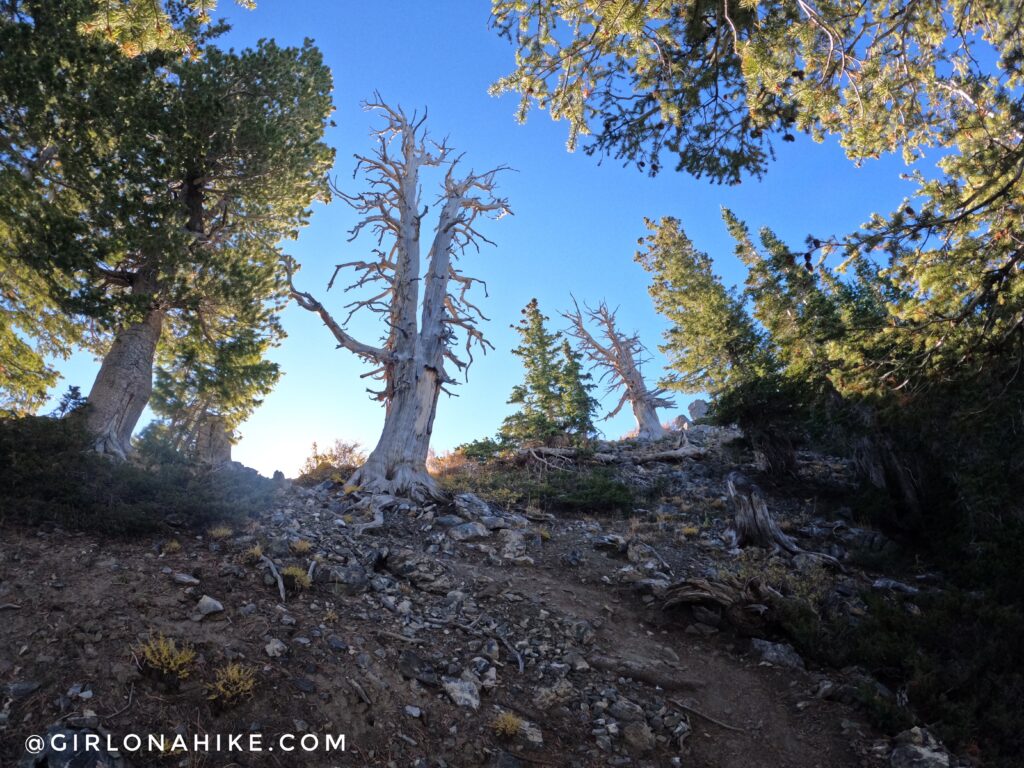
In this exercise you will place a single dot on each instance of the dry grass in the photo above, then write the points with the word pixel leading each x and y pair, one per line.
pixel 506 725
pixel 231 683
pixel 219 533
pixel 161 654
pixel 295 577
pixel 301 547
pixel 172 547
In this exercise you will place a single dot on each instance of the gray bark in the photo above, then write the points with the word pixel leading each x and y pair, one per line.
pixel 213 442
pixel 411 362
pixel 753 522
pixel 619 357
pixel 123 385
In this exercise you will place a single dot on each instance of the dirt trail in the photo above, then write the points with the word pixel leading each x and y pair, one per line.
pixel 396 624
pixel 758 699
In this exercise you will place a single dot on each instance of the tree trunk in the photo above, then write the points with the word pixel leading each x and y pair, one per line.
pixel 753 522
pixel 648 426
pixel 773 452
pixel 879 462
pixel 123 385
pixel 397 466
pixel 213 442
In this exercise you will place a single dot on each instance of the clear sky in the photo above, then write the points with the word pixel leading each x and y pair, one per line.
pixel 575 227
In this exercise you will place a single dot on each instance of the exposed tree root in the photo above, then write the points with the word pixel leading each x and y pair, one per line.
pixel 650 673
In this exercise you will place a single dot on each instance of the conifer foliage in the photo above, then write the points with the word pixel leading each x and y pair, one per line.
pixel 149 194
pixel 554 398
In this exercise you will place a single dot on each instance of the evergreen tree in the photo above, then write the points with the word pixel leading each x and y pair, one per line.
pixel 576 406
pixel 225 378
pixel 141 26
pixel 155 187
pixel 538 397
pixel 554 399
pixel 714 85
pixel 714 346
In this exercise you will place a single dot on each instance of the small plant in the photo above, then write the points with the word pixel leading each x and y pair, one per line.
pixel 295 578
pixel 506 725
pixel 231 683
pixel 301 546
pixel 331 616
pixel 172 547
pixel 162 657
pixel 253 554
pixel 219 533
pixel 545 534
pixel 690 530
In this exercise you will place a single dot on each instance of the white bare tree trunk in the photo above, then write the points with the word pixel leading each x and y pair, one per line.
pixel 123 385
pixel 647 423
pixel 619 357
pixel 397 466
pixel 411 362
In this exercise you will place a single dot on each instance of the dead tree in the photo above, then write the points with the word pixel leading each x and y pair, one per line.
pixel 753 522
pixel 619 358
pixel 421 330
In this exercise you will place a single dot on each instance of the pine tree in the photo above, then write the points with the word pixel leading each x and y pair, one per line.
pixel 162 185
pixel 142 26
pixel 714 346
pixel 576 405
pixel 538 397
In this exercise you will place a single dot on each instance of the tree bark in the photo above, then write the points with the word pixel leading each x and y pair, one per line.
pixel 647 422
pixel 397 466
pixel 754 523
pixel 123 385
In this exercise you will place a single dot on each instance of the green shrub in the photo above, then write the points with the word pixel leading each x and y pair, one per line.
pixel 581 489
pixel 50 475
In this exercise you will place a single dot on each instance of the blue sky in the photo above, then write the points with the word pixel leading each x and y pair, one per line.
pixel 575 226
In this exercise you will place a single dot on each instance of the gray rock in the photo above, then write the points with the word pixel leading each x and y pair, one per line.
pixel 471 506
pixel 21 690
pixel 275 648
pixel 698 409
pixel 449 521
pixel 412 666
pixel 208 605
pixel 412 711
pixel 626 710
pixel 352 579
pixel 468 532
pixel 610 542
pixel 639 737
pixel 335 643
pixel 779 654
pixel 462 692
pixel 513 544
pixel 918 748
pixel 184 579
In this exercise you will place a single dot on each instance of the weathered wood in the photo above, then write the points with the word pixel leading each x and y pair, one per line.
pixel 619 357
pixel 420 342
pixel 753 523
pixel 685 451
pixel 652 673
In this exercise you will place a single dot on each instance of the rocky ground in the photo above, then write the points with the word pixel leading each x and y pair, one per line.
pixel 454 635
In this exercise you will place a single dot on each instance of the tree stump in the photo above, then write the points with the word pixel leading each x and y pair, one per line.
pixel 753 522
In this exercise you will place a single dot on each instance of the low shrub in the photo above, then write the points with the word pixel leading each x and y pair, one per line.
pixel 51 476
pixel 336 463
